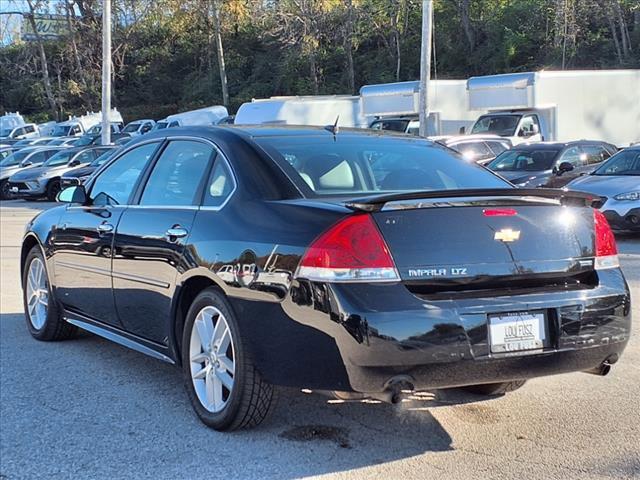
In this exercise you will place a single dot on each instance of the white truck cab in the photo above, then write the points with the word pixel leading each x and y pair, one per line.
pixel 28 130
pixel 78 126
pixel 517 126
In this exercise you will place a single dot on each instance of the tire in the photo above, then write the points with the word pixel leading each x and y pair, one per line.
pixel 494 389
pixel 44 321
pixel 5 194
pixel 53 188
pixel 250 399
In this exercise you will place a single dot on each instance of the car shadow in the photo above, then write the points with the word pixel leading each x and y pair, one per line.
pixel 103 401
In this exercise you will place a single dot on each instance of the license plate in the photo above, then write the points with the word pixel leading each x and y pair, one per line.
pixel 517 332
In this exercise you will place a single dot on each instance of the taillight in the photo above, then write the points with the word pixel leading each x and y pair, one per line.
pixel 352 250
pixel 606 250
pixel 499 212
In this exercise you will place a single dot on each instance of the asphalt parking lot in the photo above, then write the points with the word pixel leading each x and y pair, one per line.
pixel 88 408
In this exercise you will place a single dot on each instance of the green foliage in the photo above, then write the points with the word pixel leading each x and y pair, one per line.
pixel 165 57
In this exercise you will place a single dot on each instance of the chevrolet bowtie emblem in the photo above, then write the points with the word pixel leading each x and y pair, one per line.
pixel 507 235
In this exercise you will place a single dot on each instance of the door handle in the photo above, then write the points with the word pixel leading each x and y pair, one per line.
pixel 105 228
pixel 176 232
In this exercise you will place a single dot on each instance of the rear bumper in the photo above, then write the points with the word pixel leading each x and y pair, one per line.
pixel 362 337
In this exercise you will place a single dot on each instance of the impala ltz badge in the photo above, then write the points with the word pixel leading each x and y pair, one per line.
pixel 507 235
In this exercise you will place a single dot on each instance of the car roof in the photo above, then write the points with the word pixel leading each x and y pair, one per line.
pixel 260 131
pixel 556 145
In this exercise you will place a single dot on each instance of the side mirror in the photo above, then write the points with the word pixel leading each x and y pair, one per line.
pixel 73 194
pixel 73 162
pixel 26 163
pixel 564 167
pixel 462 130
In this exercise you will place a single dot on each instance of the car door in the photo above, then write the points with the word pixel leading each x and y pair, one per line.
pixel 150 238
pixel 83 240
pixel 529 128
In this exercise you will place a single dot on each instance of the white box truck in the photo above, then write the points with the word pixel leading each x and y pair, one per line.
pixel 448 110
pixel 318 110
pixel 558 105
pixel 77 126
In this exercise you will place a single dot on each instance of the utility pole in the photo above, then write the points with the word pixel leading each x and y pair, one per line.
pixel 106 71
pixel 425 64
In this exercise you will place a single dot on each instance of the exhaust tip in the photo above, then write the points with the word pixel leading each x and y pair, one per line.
pixel 604 368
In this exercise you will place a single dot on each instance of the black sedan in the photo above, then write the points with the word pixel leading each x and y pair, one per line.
pixel 550 164
pixel 346 262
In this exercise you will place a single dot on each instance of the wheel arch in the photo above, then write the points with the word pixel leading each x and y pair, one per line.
pixel 29 241
pixel 187 290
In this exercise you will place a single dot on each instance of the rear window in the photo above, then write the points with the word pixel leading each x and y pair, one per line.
pixel 524 161
pixel 347 165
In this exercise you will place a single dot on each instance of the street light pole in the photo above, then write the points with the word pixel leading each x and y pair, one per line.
pixel 106 71
pixel 425 64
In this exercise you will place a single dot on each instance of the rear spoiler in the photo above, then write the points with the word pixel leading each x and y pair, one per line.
pixel 436 198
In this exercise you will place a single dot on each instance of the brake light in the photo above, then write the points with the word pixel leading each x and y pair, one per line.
pixel 499 212
pixel 606 249
pixel 352 250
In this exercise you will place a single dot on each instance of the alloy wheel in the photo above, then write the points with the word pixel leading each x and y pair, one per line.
pixel 212 359
pixel 37 294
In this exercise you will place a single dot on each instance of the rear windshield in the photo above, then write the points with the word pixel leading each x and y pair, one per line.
pixel 360 165
pixel 524 161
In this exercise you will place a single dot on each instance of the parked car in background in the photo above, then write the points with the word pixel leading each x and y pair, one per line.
pixel 617 183
pixel 6 150
pixel 479 148
pixel 26 157
pixel 366 265
pixel 139 127
pixel 63 141
pixel 44 180
pixel 33 141
pixel 550 164
pixel 96 139
pixel 78 176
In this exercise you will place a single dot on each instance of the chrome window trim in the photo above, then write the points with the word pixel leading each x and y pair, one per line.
pixel 171 207
pixel 221 154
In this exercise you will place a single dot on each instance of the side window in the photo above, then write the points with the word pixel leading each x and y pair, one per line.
pixel 529 126
pixel 219 186
pixel 572 155
pixel 115 184
pixel 85 157
pixel 177 174
pixel 38 157
pixel 146 127
pixel 595 153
